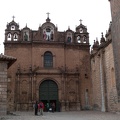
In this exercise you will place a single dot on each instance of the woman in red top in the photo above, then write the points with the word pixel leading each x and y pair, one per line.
pixel 41 107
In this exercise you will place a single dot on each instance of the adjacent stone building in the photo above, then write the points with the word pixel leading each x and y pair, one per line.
pixel 105 96
pixel 51 66
pixel 105 65
pixel 115 12
pixel 5 63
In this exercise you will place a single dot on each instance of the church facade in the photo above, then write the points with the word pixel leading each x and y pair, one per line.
pixel 58 67
pixel 51 66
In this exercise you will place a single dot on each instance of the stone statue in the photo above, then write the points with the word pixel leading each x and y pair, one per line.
pixel 25 37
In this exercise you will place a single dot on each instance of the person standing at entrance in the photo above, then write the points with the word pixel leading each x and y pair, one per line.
pixel 47 106
pixel 36 108
pixel 53 107
pixel 41 107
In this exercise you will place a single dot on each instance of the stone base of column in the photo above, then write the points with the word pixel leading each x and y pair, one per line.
pixel 78 106
pixel 18 107
pixel 63 106
pixel 30 106
pixel 67 105
pixel 3 109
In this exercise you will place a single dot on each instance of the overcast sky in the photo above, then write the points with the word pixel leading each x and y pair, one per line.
pixel 95 14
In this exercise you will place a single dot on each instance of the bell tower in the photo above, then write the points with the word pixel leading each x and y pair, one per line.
pixel 115 13
pixel 81 34
pixel 12 31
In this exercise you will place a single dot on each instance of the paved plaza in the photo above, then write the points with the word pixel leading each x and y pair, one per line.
pixel 81 115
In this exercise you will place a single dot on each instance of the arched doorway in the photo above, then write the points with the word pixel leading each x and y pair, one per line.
pixel 48 93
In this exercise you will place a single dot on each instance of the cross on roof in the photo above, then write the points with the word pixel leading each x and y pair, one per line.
pixel 48 14
pixel 80 21
pixel 13 17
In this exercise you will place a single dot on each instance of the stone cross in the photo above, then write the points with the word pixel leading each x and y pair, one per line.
pixel 13 17
pixel 80 21
pixel 48 14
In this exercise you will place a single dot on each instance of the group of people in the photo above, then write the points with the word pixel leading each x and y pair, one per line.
pixel 39 107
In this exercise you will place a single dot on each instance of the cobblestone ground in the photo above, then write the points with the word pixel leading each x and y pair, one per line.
pixel 81 115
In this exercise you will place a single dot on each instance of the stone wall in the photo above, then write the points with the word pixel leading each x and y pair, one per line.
pixel 23 86
pixel 111 91
pixel 105 96
pixel 96 83
pixel 3 88
pixel 5 63
pixel 115 11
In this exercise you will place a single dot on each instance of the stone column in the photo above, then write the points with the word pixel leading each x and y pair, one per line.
pixel 86 99
pixel 62 88
pixel 30 92
pixel 34 86
pixel 78 99
pixel 30 88
pixel 66 93
pixel 12 37
pixel 18 92
pixel 63 94
pixel 102 85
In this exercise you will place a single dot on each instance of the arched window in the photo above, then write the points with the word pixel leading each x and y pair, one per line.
pixel 84 39
pixel 9 37
pixel 15 37
pixel 69 37
pixel 48 60
pixel 78 39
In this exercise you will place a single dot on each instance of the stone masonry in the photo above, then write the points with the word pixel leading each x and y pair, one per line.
pixel 5 61
pixel 103 75
pixel 3 87
pixel 48 57
pixel 79 85
pixel 115 11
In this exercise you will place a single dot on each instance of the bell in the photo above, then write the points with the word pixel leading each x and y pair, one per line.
pixel 9 35
pixel 84 38
pixel 15 37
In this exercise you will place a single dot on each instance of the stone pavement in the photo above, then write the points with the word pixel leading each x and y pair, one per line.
pixel 81 115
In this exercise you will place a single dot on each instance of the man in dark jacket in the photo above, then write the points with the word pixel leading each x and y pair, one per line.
pixel 36 108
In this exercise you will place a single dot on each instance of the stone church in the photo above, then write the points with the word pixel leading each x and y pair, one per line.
pixel 51 66
pixel 59 67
